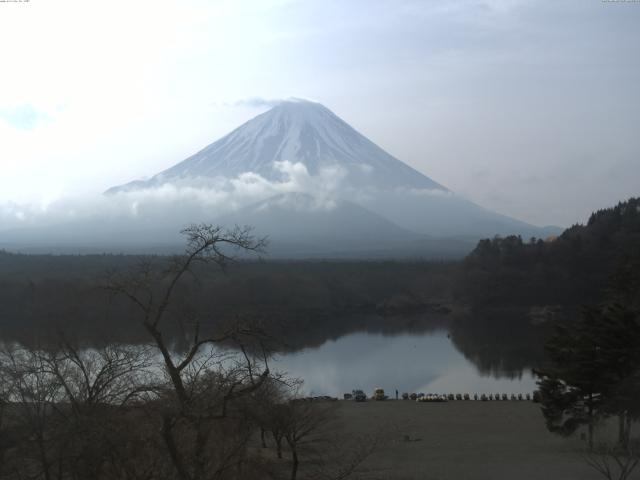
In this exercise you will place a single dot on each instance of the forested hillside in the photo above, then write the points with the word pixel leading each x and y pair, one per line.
pixel 572 269
pixel 306 302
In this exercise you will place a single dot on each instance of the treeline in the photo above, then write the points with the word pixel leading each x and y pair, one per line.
pixel 519 290
pixel 569 270
pixel 304 302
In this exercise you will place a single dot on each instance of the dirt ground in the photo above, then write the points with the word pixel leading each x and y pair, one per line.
pixel 464 440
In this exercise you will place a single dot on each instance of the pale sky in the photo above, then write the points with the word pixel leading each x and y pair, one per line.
pixel 529 108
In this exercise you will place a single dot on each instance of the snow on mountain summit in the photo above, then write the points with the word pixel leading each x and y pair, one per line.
pixel 295 131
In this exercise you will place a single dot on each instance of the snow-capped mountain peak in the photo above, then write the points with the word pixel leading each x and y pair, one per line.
pixel 295 131
pixel 302 146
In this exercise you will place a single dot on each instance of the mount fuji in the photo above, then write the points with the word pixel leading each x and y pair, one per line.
pixel 337 163
pixel 298 174
pixel 295 131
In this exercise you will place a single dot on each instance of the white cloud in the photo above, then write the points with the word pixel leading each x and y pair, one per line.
pixel 199 199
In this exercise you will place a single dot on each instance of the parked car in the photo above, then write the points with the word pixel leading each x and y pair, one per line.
pixel 359 396
pixel 378 394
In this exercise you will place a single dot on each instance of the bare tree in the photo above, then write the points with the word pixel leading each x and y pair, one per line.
pixel 318 449
pixel 96 383
pixel 5 402
pixel 614 463
pixel 90 377
pixel 302 420
pixel 206 383
pixel 66 408
pixel 33 393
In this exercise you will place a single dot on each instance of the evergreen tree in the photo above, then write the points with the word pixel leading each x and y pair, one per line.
pixel 619 334
pixel 594 371
pixel 572 387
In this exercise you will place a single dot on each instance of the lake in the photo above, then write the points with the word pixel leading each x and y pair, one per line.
pixel 409 362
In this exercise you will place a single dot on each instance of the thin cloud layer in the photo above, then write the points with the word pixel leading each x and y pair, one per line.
pixel 199 200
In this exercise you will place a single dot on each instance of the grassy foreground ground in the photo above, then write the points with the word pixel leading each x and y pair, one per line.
pixel 463 440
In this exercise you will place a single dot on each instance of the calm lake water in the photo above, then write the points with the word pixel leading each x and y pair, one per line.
pixel 408 362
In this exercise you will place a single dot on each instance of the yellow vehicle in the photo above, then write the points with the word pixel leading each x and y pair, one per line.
pixel 378 394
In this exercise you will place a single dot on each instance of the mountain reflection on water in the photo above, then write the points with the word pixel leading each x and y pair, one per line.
pixel 425 362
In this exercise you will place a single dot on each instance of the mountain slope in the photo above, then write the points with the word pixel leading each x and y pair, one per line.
pixel 294 131
pixel 302 146
pixel 300 225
